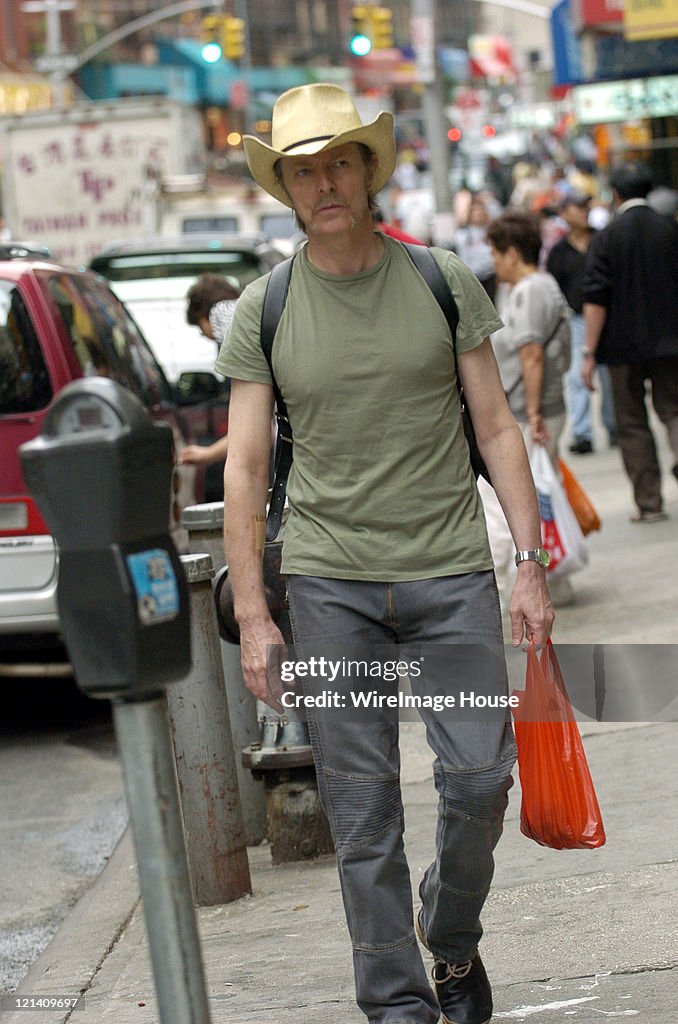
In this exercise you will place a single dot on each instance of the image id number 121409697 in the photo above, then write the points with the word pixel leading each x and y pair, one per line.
pixel 14 1001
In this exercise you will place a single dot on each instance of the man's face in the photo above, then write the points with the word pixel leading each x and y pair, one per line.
pixel 329 190
pixel 576 216
pixel 477 215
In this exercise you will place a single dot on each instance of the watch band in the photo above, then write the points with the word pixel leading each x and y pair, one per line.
pixel 538 555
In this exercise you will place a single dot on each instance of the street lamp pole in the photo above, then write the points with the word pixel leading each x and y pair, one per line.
pixel 54 62
pixel 423 38
pixel 246 65
pixel 58 65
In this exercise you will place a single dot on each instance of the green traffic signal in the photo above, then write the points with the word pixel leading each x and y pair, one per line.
pixel 360 45
pixel 211 53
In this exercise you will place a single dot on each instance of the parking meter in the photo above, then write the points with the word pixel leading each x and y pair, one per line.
pixel 101 474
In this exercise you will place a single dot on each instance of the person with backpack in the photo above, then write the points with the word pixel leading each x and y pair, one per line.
pixel 385 550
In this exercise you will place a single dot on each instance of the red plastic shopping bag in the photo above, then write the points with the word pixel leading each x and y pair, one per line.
pixel 587 517
pixel 559 805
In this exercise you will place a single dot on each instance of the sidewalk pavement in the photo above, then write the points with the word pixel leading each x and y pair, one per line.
pixel 569 935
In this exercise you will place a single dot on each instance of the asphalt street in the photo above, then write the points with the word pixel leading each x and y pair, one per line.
pixel 62 811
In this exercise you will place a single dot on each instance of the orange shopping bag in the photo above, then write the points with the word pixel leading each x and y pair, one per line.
pixel 587 517
pixel 559 805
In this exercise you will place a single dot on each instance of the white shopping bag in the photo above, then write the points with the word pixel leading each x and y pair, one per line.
pixel 560 532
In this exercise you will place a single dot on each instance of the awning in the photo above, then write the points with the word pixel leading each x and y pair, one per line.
pixel 491 58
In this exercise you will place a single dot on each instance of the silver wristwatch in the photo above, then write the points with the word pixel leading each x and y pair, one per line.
pixel 538 555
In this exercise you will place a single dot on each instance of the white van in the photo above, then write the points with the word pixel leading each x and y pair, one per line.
pixel 188 208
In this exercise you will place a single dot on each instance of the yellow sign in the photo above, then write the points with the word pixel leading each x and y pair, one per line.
pixel 650 19
pixel 19 93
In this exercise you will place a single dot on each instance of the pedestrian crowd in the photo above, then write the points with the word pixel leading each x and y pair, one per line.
pixel 613 263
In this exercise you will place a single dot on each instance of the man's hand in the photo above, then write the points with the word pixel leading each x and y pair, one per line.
pixel 531 610
pixel 262 649
pixel 588 369
pixel 594 317
pixel 538 431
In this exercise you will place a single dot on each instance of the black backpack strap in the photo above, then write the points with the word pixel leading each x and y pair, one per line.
pixel 274 304
pixel 426 264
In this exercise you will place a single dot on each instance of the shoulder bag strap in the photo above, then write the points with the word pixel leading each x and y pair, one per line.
pixel 274 304
pixel 559 321
pixel 426 264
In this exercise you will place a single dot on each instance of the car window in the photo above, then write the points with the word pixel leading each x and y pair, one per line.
pixel 105 339
pixel 24 381
pixel 198 225
pixel 241 266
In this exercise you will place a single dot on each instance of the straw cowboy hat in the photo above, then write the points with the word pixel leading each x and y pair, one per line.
pixel 310 119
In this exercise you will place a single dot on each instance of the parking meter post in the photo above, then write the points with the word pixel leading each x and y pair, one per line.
pixel 205 526
pixel 150 784
pixel 205 756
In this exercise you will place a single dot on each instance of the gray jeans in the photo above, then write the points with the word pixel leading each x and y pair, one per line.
pixel 358 769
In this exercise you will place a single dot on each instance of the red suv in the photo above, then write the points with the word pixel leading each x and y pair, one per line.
pixel 57 325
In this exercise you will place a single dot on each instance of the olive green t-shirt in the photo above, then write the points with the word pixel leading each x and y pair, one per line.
pixel 381 487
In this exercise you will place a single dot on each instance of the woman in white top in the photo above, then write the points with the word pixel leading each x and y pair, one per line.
pixel 533 353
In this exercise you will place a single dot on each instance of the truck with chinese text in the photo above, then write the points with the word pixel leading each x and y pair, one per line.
pixel 77 178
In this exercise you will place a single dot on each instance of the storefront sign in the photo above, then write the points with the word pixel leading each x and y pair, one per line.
pixel 18 94
pixel 423 40
pixel 592 13
pixel 626 101
pixel 650 19
pixel 566 47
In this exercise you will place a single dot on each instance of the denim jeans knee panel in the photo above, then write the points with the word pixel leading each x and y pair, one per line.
pixel 362 808
pixel 481 794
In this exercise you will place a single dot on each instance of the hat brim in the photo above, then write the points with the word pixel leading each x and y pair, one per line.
pixel 377 136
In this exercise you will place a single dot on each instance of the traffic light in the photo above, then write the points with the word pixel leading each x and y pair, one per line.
pixel 210 34
pixel 381 19
pixel 361 43
pixel 233 37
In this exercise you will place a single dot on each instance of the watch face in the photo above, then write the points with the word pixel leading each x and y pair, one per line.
pixel 544 558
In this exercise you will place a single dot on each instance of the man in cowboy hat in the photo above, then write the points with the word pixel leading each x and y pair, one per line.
pixel 385 542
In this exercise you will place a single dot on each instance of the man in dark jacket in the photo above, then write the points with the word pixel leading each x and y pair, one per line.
pixel 632 326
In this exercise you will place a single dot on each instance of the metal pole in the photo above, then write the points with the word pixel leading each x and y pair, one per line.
pixel 54 54
pixel 205 758
pixel 205 525
pixel 423 35
pixel 150 782
pixel 241 9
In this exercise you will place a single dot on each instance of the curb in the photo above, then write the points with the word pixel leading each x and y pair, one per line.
pixel 68 964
